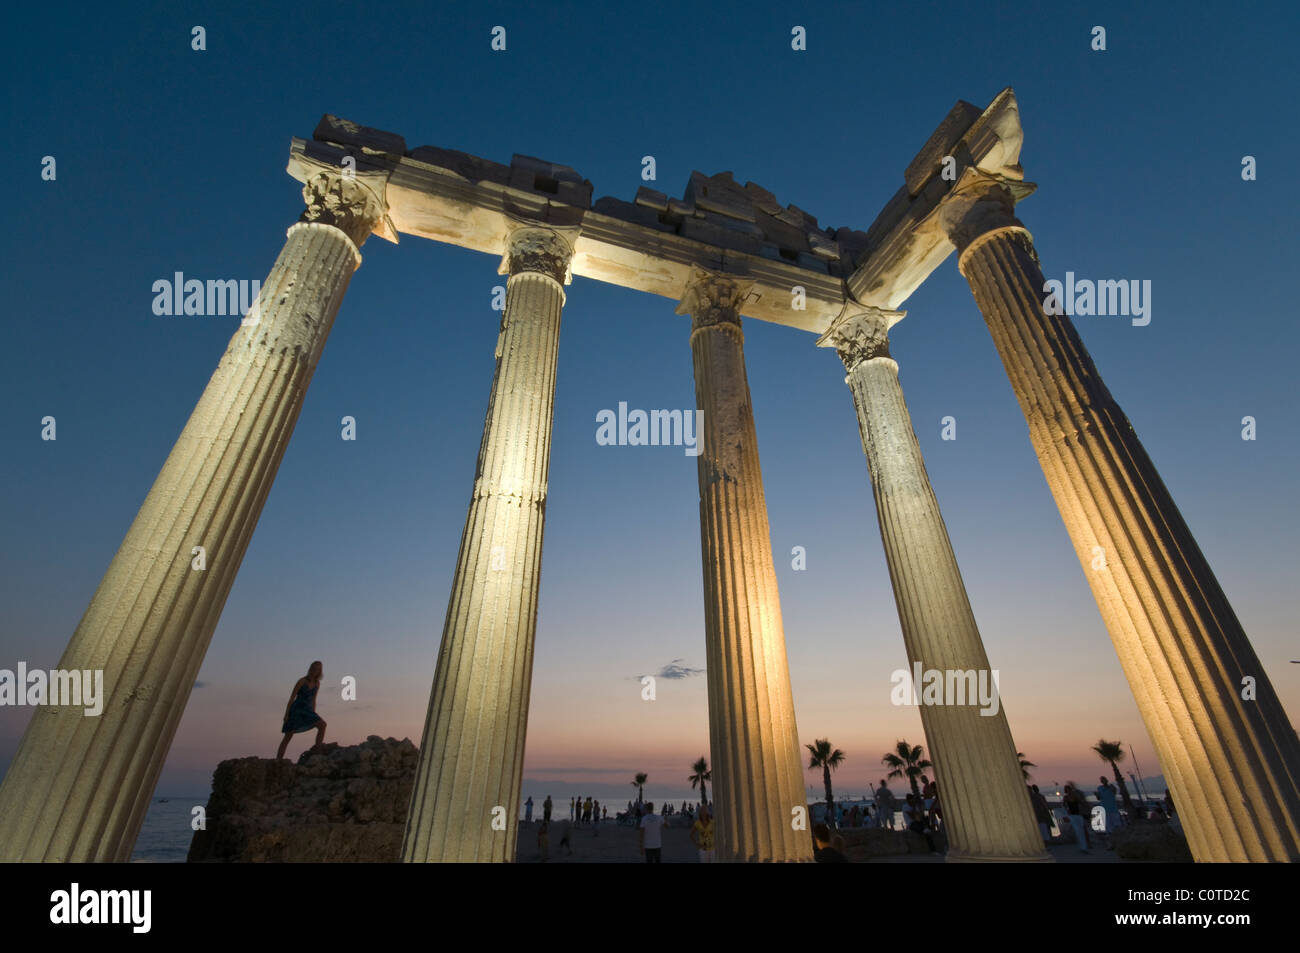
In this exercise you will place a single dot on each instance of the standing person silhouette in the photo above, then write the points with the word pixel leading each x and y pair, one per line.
pixel 702 835
pixel 300 713
pixel 651 835
pixel 1077 807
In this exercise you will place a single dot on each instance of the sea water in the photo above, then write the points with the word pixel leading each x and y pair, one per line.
pixel 166 833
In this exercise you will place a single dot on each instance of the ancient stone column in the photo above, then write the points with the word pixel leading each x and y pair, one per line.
pixel 465 805
pixel 757 765
pixel 79 785
pixel 986 808
pixel 1227 749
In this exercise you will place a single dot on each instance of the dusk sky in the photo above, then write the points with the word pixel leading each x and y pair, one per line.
pixel 170 159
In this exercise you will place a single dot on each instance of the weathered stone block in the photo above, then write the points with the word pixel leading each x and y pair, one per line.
pixel 712 234
pixel 782 234
pixel 628 212
pixel 823 247
pixel 470 167
pixel 764 201
pixel 941 142
pixel 720 194
pixel 805 260
pixel 678 207
pixel 731 224
pixel 338 804
pixel 530 174
pixel 652 198
pixel 370 141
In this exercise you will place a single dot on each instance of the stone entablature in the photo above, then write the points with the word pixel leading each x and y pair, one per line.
pixel 650 244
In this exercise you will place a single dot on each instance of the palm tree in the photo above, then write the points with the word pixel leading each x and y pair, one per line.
pixel 906 761
pixel 702 774
pixel 1112 752
pixel 826 758
pixel 1025 765
pixel 639 783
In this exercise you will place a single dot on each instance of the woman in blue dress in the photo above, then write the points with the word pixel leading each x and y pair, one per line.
pixel 300 713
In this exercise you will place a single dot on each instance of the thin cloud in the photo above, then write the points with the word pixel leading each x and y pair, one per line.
pixel 674 670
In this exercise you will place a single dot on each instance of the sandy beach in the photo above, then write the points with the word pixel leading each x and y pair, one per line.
pixel 613 845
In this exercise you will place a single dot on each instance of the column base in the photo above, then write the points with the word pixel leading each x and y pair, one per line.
pixel 957 857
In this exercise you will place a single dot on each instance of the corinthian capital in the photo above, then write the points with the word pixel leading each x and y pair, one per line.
pixel 546 251
pixel 353 202
pixel 711 298
pixel 981 202
pixel 860 333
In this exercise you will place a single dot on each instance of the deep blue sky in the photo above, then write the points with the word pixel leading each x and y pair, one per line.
pixel 173 160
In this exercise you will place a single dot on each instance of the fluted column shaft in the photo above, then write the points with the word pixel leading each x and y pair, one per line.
pixel 1232 763
pixel 472 752
pixel 986 807
pixel 756 767
pixel 79 785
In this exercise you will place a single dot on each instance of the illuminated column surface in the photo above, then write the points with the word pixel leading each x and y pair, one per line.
pixel 1231 762
pixel 472 752
pixel 986 808
pixel 79 785
pixel 757 773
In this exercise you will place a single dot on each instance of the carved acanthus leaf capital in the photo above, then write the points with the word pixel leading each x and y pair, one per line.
pixel 546 251
pixel 981 202
pixel 711 298
pixel 860 332
pixel 351 202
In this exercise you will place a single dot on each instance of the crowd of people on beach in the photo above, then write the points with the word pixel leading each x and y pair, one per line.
pixel 587 812
pixel 1076 820
pixel 1091 825
pixel 919 812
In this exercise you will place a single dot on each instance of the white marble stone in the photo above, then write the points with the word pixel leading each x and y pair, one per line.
pixel 757 766
pixel 472 748
pixel 78 786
